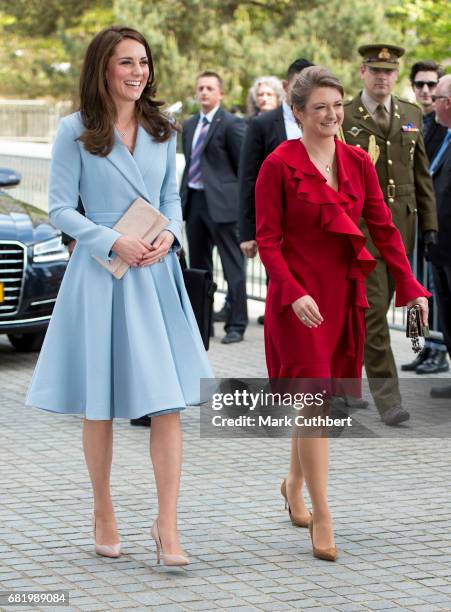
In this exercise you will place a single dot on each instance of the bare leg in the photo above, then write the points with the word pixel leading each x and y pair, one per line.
pixel 166 454
pixel 314 458
pixel 98 449
pixel 294 482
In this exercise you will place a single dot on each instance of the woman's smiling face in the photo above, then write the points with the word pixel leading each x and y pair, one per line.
pixel 127 71
pixel 323 112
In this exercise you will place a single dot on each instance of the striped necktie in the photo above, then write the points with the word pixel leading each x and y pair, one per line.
pixel 194 173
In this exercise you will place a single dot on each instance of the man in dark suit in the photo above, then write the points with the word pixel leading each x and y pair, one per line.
pixel 209 192
pixel 424 78
pixel 264 134
pixel 440 254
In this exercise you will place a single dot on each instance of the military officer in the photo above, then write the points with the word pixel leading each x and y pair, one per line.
pixel 389 129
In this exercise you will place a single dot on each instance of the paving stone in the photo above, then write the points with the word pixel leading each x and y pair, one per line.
pixel 245 553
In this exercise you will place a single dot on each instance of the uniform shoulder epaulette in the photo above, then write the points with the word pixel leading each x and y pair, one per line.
pixel 405 101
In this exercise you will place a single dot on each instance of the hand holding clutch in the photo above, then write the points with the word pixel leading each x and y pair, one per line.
pixel 159 248
pixel 417 322
pixel 422 302
pixel 140 225
pixel 131 250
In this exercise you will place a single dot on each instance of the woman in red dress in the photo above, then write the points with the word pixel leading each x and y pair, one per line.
pixel 310 195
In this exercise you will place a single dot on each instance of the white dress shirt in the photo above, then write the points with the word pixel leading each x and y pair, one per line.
pixel 291 127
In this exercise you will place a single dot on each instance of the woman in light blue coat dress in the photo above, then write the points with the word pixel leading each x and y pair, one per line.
pixel 130 347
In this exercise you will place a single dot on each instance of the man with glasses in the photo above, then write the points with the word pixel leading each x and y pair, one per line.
pixel 389 128
pixel 424 78
pixel 440 254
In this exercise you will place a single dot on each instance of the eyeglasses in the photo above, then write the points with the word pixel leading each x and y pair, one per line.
pixel 435 98
pixel 421 84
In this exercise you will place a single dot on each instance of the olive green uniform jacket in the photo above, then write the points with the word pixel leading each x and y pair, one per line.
pixel 402 168
pixel 402 165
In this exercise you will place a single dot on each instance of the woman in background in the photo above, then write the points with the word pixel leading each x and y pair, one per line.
pixel 266 94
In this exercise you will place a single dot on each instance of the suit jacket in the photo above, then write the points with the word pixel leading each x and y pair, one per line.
pixel 402 166
pixel 441 254
pixel 310 242
pixel 264 134
pixel 219 164
pixel 434 137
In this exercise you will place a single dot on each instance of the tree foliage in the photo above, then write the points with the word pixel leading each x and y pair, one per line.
pixel 429 22
pixel 242 40
pixel 43 43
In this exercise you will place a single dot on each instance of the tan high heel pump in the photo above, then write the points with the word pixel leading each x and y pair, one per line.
pixel 297 522
pixel 326 554
pixel 105 550
pixel 173 560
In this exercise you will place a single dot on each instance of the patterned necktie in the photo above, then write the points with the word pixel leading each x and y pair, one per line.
pixel 194 173
pixel 382 118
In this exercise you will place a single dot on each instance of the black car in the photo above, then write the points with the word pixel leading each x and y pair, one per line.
pixel 32 264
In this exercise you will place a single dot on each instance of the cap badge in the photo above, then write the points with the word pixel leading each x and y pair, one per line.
pixel 384 53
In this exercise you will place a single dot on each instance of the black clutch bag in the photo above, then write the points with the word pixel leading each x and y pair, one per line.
pixel 415 328
pixel 201 291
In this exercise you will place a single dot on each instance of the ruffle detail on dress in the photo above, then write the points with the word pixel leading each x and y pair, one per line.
pixel 335 218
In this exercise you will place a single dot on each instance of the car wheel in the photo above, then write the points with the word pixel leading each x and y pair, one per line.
pixel 26 343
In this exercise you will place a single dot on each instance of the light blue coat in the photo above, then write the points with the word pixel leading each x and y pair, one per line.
pixel 116 348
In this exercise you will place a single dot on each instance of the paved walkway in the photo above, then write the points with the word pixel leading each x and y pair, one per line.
pixel 390 499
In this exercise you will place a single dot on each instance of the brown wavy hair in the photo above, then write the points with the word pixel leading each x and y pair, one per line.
pixel 97 109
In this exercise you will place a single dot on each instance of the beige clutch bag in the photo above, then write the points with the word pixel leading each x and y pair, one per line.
pixel 141 220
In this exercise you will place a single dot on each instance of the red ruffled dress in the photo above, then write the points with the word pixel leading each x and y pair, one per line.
pixel 310 244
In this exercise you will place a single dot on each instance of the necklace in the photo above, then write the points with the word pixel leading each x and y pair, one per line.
pixel 124 133
pixel 326 165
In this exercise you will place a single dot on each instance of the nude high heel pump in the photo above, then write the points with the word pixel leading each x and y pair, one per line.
pixel 173 560
pixel 105 550
pixel 297 522
pixel 326 554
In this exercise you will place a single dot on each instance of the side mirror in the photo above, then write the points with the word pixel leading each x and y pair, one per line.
pixel 9 178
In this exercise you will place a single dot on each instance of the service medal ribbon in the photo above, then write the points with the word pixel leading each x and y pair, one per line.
pixel 409 127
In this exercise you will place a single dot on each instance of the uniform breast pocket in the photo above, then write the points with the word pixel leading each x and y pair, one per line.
pixel 408 144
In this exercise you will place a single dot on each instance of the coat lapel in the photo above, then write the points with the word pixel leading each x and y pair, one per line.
pixel 279 124
pixel 190 128
pixel 397 119
pixel 125 163
pixel 445 157
pixel 214 124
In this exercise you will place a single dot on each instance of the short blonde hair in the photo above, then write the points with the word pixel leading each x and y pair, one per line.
pixel 310 79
